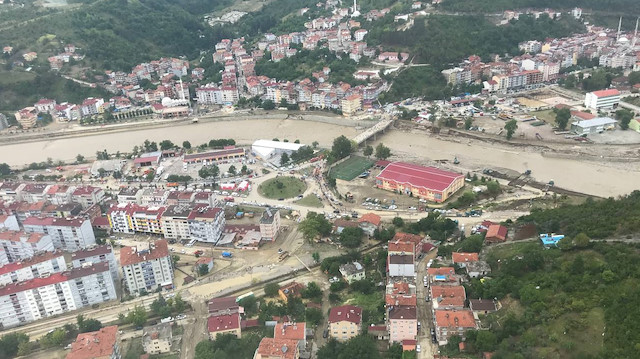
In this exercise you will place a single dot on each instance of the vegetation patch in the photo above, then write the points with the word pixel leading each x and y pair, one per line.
pixel 351 168
pixel 310 201
pixel 282 187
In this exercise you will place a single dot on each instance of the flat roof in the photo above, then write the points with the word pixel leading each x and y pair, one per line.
pixel 430 178
pixel 277 145
pixel 598 121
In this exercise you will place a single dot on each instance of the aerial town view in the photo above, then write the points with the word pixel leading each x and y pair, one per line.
pixel 327 179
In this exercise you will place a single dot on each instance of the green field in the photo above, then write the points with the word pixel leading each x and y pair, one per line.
pixel 310 201
pixel 282 187
pixel 351 168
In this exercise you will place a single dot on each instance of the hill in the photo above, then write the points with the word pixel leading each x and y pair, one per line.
pixel 629 7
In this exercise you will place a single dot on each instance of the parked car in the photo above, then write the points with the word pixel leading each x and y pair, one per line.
pixel 325 334
pixel 418 348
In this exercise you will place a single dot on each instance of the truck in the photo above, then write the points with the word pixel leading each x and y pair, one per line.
pixel 227 254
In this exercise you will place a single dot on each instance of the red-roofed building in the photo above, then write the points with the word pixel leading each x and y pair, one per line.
pixel 448 296
pixel 292 331
pixel 603 99
pixel 400 293
pixel 224 324
pixel 224 305
pixel 292 289
pixel 409 345
pixel 369 222
pixel 102 344
pixel 34 267
pixel 496 233
pixel 96 254
pixel 442 275
pixel 453 322
pixel 147 269
pixel 580 115
pixel 428 183
pixel 345 322
pixel 19 245
pixel 272 348
pixel 403 323
pixel 461 259
pixel 88 196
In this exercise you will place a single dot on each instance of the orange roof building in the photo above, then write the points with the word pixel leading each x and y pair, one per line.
pixel 272 348
pixel 453 322
pixel 462 259
pixel 102 344
pixel 448 297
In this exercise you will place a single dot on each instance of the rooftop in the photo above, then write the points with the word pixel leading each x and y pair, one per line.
pixel 131 255
pixel 447 295
pixel 90 252
pixel 220 304
pixel 223 322
pixel 598 121
pixel 50 221
pixel 370 218
pixel 94 344
pixel 38 258
pixel 459 257
pixel 268 216
pixel 351 268
pixel 430 178
pixel 349 313
pixel 294 331
pixel 20 236
pixel 400 259
pixel 455 319
pixel 404 312
pixel 482 304
pixel 278 348
pixel 606 93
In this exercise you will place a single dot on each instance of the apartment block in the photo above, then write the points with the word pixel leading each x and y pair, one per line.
pixel 147 269
pixel 19 245
pixel 42 264
pixel 69 234
pixel 96 254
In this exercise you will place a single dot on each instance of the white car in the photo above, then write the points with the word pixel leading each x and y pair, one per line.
pixel 418 348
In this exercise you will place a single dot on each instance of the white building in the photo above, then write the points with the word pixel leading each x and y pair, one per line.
pixel 147 269
pixel 18 245
pixel 55 294
pixel 603 99
pixel 175 222
pixel 352 272
pixel 206 224
pixel 272 150
pixel 87 196
pixel 596 125
pixel 96 254
pixel 9 222
pixel 42 264
pixel 270 224
pixel 69 234
pixel 401 266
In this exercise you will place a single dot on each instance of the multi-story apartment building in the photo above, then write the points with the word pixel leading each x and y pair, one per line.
pixel 34 192
pixel 101 344
pixel 206 224
pixel 69 234
pixel 270 224
pixel 55 294
pixel 9 222
pixel 59 194
pixel 147 269
pixel 603 99
pixel 453 322
pixel 39 265
pixel 175 222
pixel 129 195
pixel 11 191
pixel 96 254
pixel 19 245
pixel 131 218
pixel 345 322
pixel 403 323
pixel 87 196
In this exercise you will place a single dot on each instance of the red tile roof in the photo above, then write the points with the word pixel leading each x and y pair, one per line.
pixel 278 348
pixel 496 233
pixel 370 218
pixel 407 237
pixel 430 178
pixel 441 271
pixel 396 246
pixel 294 331
pixel 39 258
pixel 403 312
pixel 455 319
pixel 448 295
pixel 50 221
pixel 205 212
pixel 583 115
pixel 349 313
pixel 459 257
pixel 222 323
pixel 94 345
pixel 86 190
pixel 15 236
pixel 90 252
pixel 130 255
pixel 607 93
pixel 220 304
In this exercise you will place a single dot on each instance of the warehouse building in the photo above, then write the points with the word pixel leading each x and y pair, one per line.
pixel 429 183
pixel 228 153
pixel 603 99
pixel 272 150
pixel 596 125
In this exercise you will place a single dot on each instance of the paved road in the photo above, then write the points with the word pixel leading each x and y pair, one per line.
pixel 428 349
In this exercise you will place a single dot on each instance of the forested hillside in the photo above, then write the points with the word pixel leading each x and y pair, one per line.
pixel 474 6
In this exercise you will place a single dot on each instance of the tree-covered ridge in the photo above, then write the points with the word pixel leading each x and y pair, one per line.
pixel 475 6
pixel 597 219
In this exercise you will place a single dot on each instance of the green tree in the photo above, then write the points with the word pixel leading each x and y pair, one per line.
pixel 314 144
pixel 624 116
pixel 493 189
pixel 312 291
pixel 398 222
pixel 166 145
pixel 314 225
pixel 361 346
pixel 87 325
pixel 468 123
pixel 368 151
pixel 179 305
pixel 382 152
pixel 186 145
pixel 232 170
pixel 138 316
pixel 203 269
pixel 511 126
pixel 268 105
pixel 486 341
pixel 271 289
pixel 79 158
pixel 284 159
pixel 313 316
pixel 316 257
pixel 341 148
pixel 351 237
pixel 634 78
pixel 581 240
pixel 562 117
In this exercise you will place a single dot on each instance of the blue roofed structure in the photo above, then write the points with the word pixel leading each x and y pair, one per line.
pixel 550 240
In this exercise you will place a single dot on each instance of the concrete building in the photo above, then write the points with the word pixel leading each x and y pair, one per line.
pixel 401 266
pixel 59 194
pixel 96 254
pixel 602 100
pixel 27 117
pixel 345 322
pixel 175 222
pixel 292 331
pixel 102 344
pixel 269 224
pixel 351 104
pixel 596 125
pixel 206 224
pixel 272 348
pixel 147 269
pixel 369 222
pixel 42 264
pixel 19 245
pixel 403 323
pixel 453 322
pixel 9 222
pixel 462 258
pixel 272 150
pixel 34 192
pixel 224 324
pixel 107 167
pixel 68 234
pixel 157 339
pixel 129 195
pixel 132 218
pixel 352 272
pixel 88 196
pixel 448 296
pixel 215 155
pixel 429 183
pixel 55 294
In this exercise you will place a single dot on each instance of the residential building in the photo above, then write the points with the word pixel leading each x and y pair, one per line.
pixel 224 324
pixel 157 339
pixel 603 99
pixel 96 254
pixel 401 266
pixel 102 344
pixel 9 222
pixel 293 289
pixel 132 218
pixel 352 272
pixel 461 259
pixel 483 306
pixel 345 322
pixel 129 195
pixel 68 234
pixel 403 323
pixel 453 322
pixel 147 269
pixel 496 233
pixel 448 296
pixel 351 104
pixel 206 224
pixel 443 275
pixel 596 125
pixel 175 222
pixel 272 348
pixel 206 261
pixel 34 192
pixel 42 264
pixel 292 331
pixel 269 224
pixel 27 117
pixel 478 269
pixel 401 293
pixel 55 294
pixel 224 305
pixel 19 245
pixel 59 194
pixel 429 183
pixel 11 191
pixel 88 196
pixel 369 222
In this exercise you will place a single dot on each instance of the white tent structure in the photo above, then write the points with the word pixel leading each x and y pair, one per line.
pixel 272 150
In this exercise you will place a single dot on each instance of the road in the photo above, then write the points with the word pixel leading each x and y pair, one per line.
pixel 427 348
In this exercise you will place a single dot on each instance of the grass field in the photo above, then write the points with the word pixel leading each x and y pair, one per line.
pixel 282 187
pixel 351 168
pixel 632 100
pixel 310 201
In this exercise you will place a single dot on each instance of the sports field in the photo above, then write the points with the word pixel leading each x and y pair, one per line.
pixel 351 168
